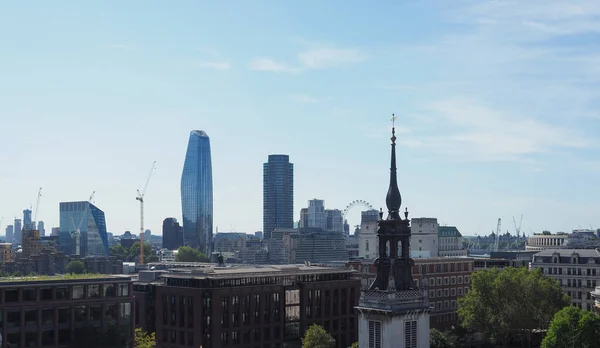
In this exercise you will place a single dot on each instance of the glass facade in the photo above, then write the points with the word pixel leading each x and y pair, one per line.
pixel 93 240
pixel 197 193
pixel 278 194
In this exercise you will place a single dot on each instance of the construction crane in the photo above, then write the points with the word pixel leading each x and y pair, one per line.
pixel 1 221
pixel 140 197
pixel 37 205
pixel 518 228
pixel 497 235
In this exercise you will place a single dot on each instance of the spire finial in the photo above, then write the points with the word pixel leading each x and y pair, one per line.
pixel 393 199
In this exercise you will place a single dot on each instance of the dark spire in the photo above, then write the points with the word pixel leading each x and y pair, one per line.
pixel 393 199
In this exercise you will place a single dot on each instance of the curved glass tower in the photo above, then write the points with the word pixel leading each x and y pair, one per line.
pixel 197 193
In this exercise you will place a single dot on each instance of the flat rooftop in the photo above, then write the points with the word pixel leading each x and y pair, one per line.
pixel 62 278
pixel 252 271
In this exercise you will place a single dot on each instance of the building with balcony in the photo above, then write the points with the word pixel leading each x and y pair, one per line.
pixel 55 311
pixel 577 271
pixel 269 306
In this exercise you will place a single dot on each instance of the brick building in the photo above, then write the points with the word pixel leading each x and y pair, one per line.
pixel 49 311
pixel 268 306
pixel 445 278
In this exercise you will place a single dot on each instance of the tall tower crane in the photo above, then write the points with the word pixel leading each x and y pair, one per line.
pixel 37 205
pixel 497 234
pixel 518 228
pixel 140 197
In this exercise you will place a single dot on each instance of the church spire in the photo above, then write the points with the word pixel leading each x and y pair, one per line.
pixel 393 199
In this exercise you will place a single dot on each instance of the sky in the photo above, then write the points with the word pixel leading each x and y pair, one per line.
pixel 497 106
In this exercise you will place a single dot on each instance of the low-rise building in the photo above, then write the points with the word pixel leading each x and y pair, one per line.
pixel 51 311
pixel 445 278
pixel 267 306
pixel 577 271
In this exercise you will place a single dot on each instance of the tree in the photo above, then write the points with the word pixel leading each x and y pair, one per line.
pixel 118 251
pixel 510 304
pixel 143 339
pixel 134 251
pixel 189 254
pixel 573 327
pixel 75 267
pixel 354 345
pixel 317 337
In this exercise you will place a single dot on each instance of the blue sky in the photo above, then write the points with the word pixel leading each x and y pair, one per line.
pixel 497 104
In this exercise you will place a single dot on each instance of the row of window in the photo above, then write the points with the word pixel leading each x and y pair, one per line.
pixel 449 280
pixel 571 271
pixel 74 292
pixel 447 292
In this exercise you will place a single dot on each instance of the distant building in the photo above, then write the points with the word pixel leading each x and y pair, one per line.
pixel 91 223
pixel 147 236
pixel 450 242
pixel 334 220
pixel 424 240
pixel 55 231
pixel 172 234
pixel 5 252
pixel 31 243
pixel 197 193
pixel 41 228
pixel 258 234
pixel 18 236
pixel 9 233
pixel 27 223
pixel 278 194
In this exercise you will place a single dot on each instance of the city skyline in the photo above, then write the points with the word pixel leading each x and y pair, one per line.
pixel 496 105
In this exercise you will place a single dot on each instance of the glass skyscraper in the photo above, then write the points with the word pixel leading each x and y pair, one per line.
pixel 93 239
pixel 278 194
pixel 197 193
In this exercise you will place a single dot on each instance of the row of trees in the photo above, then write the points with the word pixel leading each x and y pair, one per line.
pixel 184 253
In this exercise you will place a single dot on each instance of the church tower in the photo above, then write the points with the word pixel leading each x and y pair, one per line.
pixel 393 311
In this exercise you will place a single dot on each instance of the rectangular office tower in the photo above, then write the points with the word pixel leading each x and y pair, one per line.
pixel 278 194
pixel 82 229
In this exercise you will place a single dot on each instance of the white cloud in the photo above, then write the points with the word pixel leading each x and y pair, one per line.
pixel 321 58
pixel 303 98
pixel 469 131
pixel 214 65
pixel 267 64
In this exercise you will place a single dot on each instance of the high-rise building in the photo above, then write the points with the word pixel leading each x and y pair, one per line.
pixel 18 236
pixel 40 227
pixel 27 223
pixel 316 214
pixel 172 234
pixel 55 231
pixel 92 239
pixel 278 194
pixel 197 193
pixel 9 233
pixel 335 220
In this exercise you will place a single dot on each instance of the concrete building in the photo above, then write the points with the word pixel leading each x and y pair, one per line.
pixel 9 233
pixel 41 228
pixel 5 253
pixel 17 237
pixel 577 270
pixel 424 240
pixel 56 311
pixel 31 243
pixel 450 242
pixel 269 306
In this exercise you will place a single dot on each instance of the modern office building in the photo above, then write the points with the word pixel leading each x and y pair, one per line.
pixel 9 233
pixel 197 193
pixel 172 234
pixel 278 194
pixel 92 239
pixel 55 231
pixel 27 223
pixel 56 311
pixel 18 236
pixel 41 228
pixel 268 306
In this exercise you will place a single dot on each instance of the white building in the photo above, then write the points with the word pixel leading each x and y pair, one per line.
pixel 450 242
pixel 368 246
pixel 424 238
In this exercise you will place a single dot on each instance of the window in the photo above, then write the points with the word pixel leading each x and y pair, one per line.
pixel 431 293
pixel 374 334
pixel 410 334
pixel 460 291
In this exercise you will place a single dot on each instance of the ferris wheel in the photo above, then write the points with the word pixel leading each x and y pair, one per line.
pixel 357 203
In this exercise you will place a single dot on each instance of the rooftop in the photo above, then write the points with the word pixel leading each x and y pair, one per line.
pixel 448 231
pixel 86 277
pixel 569 252
pixel 251 271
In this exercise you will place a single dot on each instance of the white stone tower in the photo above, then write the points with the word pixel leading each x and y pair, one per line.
pixel 393 311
